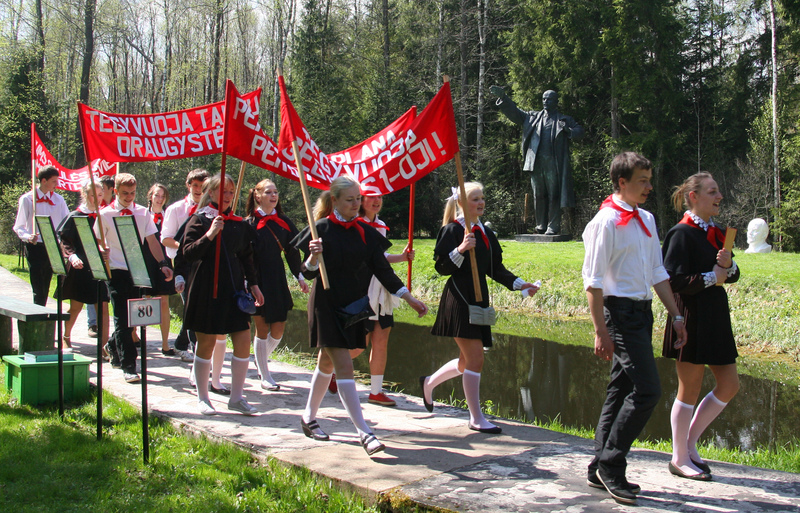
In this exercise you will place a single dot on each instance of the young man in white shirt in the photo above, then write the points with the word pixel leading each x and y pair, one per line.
pixel 48 203
pixel 174 217
pixel 120 288
pixel 622 266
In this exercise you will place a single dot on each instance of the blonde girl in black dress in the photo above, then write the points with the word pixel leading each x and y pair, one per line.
pixel 274 233
pixel 452 320
pixel 79 285
pixel 210 317
pixel 696 262
pixel 353 252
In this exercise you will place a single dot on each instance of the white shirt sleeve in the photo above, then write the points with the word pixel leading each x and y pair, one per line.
pixel 22 226
pixel 598 242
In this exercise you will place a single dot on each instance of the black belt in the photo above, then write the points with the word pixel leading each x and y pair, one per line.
pixel 636 304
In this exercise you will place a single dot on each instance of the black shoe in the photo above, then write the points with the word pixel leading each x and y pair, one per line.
pixel 675 471
pixel 593 481
pixel 313 431
pixel 702 466
pixel 169 352
pixel 371 444
pixel 221 390
pixel 428 405
pixel 616 489
pixel 494 430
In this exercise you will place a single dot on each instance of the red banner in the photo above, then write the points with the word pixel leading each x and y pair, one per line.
pixel 68 179
pixel 400 154
pixel 147 137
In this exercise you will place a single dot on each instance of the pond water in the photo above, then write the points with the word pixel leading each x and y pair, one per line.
pixel 537 379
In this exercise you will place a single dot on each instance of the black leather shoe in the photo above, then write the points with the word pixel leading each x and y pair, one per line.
pixel 494 430
pixel 593 481
pixel 702 466
pixel 428 405
pixel 616 489
pixel 312 430
pixel 220 391
pixel 675 471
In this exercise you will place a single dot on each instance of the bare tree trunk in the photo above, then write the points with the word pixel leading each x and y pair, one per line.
pixel 439 43
pixel 614 107
pixel 775 136
pixel 386 45
pixel 483 25
pixel 219 21
pixel 39 35
pixel 90 8
pixel 463 58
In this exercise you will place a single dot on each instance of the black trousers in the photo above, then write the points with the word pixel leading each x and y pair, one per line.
pixel 186 337
pixel 40 272
pixel 634 389
pixel 121 289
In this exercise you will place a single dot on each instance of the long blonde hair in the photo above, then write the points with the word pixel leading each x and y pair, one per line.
pixel 86 192
pixel 680 195
pixel 324 205
pixel 453 208
pixel 212 185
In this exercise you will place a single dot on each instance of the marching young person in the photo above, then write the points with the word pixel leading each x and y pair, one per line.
pixel 696 261
pixel 274 233
pixel 79 286
pixel 48 203
pixel 621 267
pixel 157 197
pixel 453 318
pixel 207 316
pixel 174 217
pixel 121 346
pixel 353 251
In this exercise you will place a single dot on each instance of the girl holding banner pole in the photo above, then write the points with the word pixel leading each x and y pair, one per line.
pixel 453 319
pixel 274 233
pixel 382 303
pixel 79 285
pixel 207 316
pixel 696 259
pixel 354 251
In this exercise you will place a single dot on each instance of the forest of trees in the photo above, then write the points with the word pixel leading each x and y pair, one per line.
pixel 687 83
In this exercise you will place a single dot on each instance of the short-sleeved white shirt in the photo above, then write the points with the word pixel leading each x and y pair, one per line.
pixel 144 223
pixel 175 215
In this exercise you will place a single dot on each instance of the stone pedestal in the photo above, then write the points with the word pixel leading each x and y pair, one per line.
pixel 535 237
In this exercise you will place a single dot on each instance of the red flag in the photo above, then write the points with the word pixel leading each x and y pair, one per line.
pixel 147 137
pixel 68 179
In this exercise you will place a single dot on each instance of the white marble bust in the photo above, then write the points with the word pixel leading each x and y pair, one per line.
pixel 757 231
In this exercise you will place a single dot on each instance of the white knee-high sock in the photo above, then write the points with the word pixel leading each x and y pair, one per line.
pixel 239 368
pixel 680 417
pixel 447 371
pixel 319 385
pixel 472 392
pixel 260 351
pixel 201 369
pixel 273 344
pixel 217 361
pixel 375 384
pixel 708 410
pixel 349 398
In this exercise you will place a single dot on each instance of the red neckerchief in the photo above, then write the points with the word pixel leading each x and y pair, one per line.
pixel 228 216
pixel 157 218
pixel 124 211
pixel 263 219
pixel 103 203
pixel 626 215
pixel 45 199
pixel 193 208
pixel 477 229
pixel 89 213
pixel 375 225
pixel 713 234
pixel 349 224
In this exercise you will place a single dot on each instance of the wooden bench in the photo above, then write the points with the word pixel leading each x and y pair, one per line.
pixel 36 326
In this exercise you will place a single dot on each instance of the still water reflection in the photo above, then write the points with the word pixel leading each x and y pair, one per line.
pixel 537 379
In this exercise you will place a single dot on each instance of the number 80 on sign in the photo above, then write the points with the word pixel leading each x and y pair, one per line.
pixel 144 312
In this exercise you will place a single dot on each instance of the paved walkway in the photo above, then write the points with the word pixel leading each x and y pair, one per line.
pixel 432 459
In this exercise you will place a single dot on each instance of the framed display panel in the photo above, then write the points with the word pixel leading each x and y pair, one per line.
pixel 129 239
pixel 48 235
pixel 94 260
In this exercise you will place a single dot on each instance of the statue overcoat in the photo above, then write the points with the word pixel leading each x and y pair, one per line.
pixel 531 130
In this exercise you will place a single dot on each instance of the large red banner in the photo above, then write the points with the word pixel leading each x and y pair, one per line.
pixel 402 153
pixel 68 179
pixel 146 137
